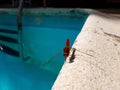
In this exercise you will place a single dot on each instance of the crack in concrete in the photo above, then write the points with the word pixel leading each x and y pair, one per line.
pixel 117 38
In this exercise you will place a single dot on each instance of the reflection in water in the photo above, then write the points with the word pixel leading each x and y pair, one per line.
pixel 38 21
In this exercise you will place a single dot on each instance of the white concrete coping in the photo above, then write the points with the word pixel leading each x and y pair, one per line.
pixel 96 65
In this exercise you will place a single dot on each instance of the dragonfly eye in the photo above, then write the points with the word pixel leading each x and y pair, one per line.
pixel 1 48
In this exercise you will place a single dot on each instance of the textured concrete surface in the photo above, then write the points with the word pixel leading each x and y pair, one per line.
pixel 96 65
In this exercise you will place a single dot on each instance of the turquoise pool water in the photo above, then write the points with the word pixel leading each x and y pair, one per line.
pixel 43 39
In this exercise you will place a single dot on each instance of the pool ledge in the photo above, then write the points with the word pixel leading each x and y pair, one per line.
pixel 96 65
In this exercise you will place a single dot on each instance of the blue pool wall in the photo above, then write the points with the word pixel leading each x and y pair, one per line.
pixel 44 35
pixel 60 24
